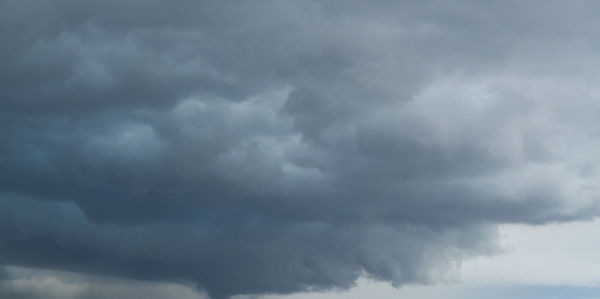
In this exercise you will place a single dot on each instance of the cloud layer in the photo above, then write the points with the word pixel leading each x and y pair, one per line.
pixel 280 146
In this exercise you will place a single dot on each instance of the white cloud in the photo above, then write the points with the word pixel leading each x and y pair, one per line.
pixel 553 254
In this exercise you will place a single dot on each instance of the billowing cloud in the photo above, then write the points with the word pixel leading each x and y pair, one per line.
pixel 280 146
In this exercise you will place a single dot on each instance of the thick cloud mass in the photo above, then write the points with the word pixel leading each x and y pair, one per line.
pixel 281 146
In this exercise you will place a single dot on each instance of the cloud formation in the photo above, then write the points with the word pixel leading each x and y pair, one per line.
pixel 281 146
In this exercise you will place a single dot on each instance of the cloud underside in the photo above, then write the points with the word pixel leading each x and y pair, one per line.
pixel 279 146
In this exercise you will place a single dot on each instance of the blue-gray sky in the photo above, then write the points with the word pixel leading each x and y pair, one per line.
pixel 279 147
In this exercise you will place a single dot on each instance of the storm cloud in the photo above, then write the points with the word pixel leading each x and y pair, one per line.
pixel 259 147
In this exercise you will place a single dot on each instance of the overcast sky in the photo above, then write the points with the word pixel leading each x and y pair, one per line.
pixel 302 149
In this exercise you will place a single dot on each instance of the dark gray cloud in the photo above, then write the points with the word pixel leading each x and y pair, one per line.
pixel 279 146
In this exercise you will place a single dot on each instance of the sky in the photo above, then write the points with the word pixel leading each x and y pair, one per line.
pixel 299 149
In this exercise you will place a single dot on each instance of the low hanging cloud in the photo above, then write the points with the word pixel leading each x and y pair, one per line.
pixel 281 146
pixel 23 283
